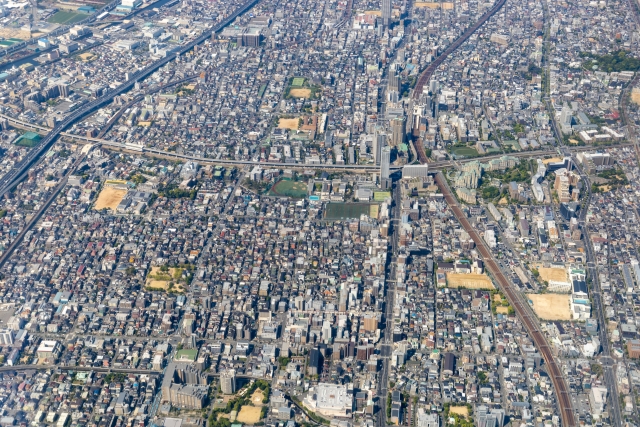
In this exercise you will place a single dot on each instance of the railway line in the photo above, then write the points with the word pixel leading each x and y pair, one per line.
pixel 426 75
pixel 565 405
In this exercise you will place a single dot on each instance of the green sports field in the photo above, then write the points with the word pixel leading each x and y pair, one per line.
pixel 297 190
pixel 465 151
pixel 337 211
pixel 297 82
pixel 67 17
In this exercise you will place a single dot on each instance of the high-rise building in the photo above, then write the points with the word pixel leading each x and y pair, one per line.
pixel 379 141
pixel 397 131
pixel 228 381
pixel 386 12
pixel 385 161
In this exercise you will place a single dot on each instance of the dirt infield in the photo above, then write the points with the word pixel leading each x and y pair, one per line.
pixel 551 306
pixel 300 93
pixel 110 198
pixel 249 414
pixel 289 123
pixel 459 410
pixel 469 281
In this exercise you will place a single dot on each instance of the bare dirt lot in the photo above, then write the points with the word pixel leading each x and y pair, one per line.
pixel 502 310
pixel 459 410
pixel 249 414
pixel 469 281
pixel 300 93
pixel 289 123
pixel 110 198
pixel 551 306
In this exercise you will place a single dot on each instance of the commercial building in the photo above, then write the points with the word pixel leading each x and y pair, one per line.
pixel 330 400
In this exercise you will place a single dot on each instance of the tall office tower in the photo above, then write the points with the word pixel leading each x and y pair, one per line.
pixel 228 381
pixel 379 141
pixel 385 161
pixel 386 12
pixel 397 131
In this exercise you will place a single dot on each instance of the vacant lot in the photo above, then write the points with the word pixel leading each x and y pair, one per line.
pixel 160 280
pixel 469 281
pixel 67 17
pixel 110 198
pixel 459 410
pixel 300 93
pixel 289 189
pixel 373 12
pixel 249 414
pixel 289 124
pixel 502 310
pixel 551 306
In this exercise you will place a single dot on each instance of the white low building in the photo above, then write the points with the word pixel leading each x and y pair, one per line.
pixel 331 400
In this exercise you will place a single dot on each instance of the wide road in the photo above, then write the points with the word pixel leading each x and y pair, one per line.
pixel 12 177
pixel 564 399
pixel 386 344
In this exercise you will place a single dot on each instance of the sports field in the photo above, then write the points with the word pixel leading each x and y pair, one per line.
pixel 465 151
pixel 297 190
pixel 551 306
pixel 297 82
pixel 549 274
pixel 110 198
pixel 292 124
pixel 459 410
pixel 300 93
pixel 67 17
pixel 469 281
pixel 336 211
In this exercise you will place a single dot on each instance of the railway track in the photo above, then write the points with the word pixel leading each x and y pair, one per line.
pixel 426 75
pixel 565 405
